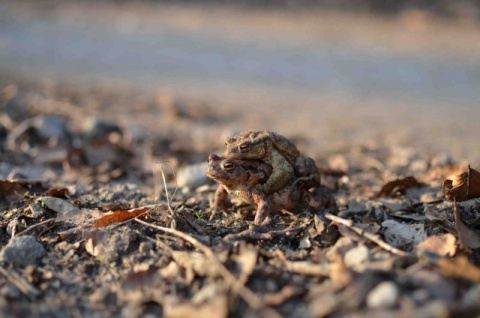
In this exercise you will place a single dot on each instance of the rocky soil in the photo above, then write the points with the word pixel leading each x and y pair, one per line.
pixel 106 210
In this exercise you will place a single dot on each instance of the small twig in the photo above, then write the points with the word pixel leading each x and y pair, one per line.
pixel 265 236
pixel 24 286
pixel 35 226
pixel 369 236
pixel 305 268
pixel 250 297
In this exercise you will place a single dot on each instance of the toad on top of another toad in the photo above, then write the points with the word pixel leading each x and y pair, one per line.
pixel 274 149
pixel 241 177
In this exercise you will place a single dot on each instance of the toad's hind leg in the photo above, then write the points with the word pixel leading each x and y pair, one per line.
pixel 321 200
pixel 282 173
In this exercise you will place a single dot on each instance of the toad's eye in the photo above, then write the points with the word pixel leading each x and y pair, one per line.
pixel 244 147
pixel 227 166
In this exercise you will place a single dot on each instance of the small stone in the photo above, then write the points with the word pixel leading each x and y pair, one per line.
pixel 145 247
pixel 471 297
pixel 95 129
pixel 356 256
pixel 22 250
pixel 192 176
pixel 442 159
pixel 385 295
pixel 36 210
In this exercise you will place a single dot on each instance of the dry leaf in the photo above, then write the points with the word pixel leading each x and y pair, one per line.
pixel 433 214
pixel 403 234
pixel 11 190
pixel 61 193
pixel 443 245
pixel 469 238
pixel 119 216
pixel 399 186
pixel 459 267
pixel 463 186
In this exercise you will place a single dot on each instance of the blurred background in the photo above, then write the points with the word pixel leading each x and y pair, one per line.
pixel 331 73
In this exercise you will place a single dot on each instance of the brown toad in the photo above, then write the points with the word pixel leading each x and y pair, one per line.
pixel 241 177
pixel 277 151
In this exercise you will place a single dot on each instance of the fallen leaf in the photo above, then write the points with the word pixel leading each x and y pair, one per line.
pixel 61 193
pixel 119 216
pixel 459 267
pixel 398 186
pixel 434 214
pixel 64 209
pixel 469 238
pixel 463 186
pixel 11 190
pixel 443 245
pixel 403 234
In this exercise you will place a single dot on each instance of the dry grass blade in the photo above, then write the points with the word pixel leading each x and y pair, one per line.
pixel 250 298
pixel 35 226
pixel 158 168
pixel 369 236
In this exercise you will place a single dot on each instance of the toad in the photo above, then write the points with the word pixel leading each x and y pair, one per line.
pixel 241 177
pixel 277 151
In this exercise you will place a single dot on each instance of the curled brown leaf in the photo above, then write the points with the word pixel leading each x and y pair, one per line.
pixel 399 186
pixel 119 216
pixel 463 186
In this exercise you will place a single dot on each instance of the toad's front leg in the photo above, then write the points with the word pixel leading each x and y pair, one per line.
pixel 221 196
pixel 262 215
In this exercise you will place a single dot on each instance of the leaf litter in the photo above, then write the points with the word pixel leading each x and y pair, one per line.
pixel 125 239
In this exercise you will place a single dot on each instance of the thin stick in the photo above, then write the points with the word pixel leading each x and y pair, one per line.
pixel 369 236
pixel 35 226
pixel 250 297
pixel 24 286
pixel 266 236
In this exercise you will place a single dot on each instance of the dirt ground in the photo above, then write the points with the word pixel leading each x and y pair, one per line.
pixel 73 178
pixel 106 209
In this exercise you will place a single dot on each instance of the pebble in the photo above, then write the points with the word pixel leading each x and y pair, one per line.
pixel 356 256
pixel 442 160
pixel 22 250
pixel 385 295
pixel 192 176
pixel 95 129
